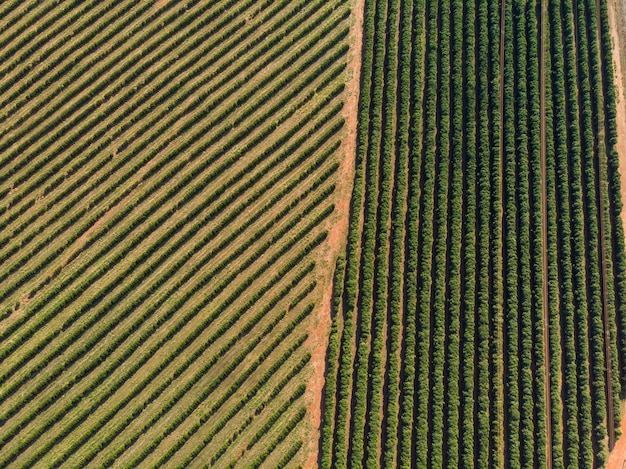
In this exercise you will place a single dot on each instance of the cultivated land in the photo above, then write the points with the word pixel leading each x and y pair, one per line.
pixel 617 24
pixel 302 233
pixel 479 310
pixel 167 182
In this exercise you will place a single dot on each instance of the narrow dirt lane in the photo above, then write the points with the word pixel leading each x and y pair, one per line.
pixel 544 231
pixel 617 24
pixel 318 341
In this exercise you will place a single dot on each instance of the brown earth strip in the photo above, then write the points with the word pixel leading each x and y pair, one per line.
pixel 337 234
pixel 617 23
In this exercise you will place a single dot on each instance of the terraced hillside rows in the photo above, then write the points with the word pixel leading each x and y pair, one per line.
pixel 167 180
pixel 479 309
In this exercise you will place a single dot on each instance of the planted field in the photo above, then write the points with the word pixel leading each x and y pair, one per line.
pixel 167 180
pixel 176 182
pixel 479 310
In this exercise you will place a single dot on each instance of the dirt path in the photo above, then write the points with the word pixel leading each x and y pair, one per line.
pixel 617 10
pixel 544 231
pixel 337 235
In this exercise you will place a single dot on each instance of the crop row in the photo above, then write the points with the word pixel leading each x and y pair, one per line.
pixel 143 97
pixel 447 324
pixel 189 274
pixel 137 221
pixel 177 351
pixel 207 321
pixel 144 161
pixel 165 87
pixel 349 287
pixel 196 268
pixel 162 244
pixel 366 394
pixel 208 437
pixel 90 119
pixel 103 178
pixel 189 234
pixel 241 378
pixel 284 433
pixel 33 25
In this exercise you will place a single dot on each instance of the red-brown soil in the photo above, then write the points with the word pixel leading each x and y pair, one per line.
pixel 337 234
pixel 617 10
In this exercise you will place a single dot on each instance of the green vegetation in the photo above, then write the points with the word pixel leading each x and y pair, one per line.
pixel 169 225
pixel 167 179
pixel 447 242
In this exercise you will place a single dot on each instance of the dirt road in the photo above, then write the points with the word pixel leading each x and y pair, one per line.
pixel 338 232
pixel 617 23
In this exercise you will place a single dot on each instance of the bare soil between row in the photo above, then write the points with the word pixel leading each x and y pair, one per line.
pixel 617 22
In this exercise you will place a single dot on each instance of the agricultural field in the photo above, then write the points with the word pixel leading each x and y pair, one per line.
pixel 312 233
pixel 168 173
pixel 479 309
